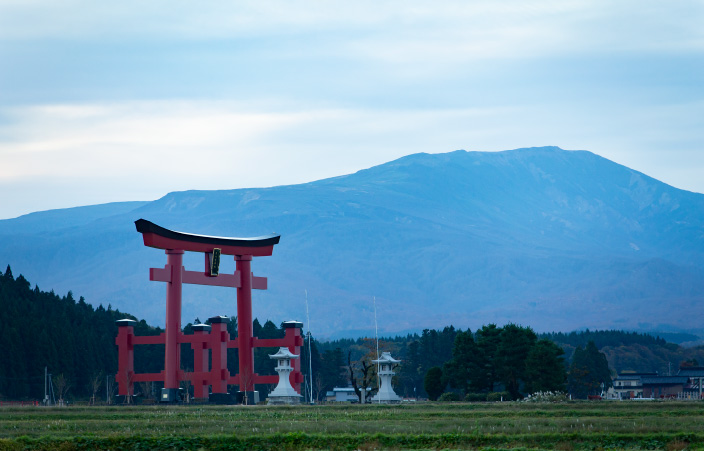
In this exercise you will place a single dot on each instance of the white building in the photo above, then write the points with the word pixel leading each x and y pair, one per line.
pixel 344 394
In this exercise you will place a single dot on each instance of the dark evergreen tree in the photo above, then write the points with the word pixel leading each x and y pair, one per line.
pixel 512 352
pixel 263 364
pixel 69 337
pixel 462 370
pixel 332 371
pixel 602 338
pixel 434 383
pixel 545 368
pixel 488 339
pixel 409 375
pixel 436 347
pixel 306 365
pixel 589 372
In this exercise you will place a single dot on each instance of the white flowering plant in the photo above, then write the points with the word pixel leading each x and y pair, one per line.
pixel 547 396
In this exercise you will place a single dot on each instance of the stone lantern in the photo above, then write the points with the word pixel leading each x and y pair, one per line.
pixel 284 392
pixel 386 394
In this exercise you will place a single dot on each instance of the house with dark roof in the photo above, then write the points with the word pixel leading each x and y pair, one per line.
pixel 695 376
pixel 687 384
pixel 664 387
pixel 628 385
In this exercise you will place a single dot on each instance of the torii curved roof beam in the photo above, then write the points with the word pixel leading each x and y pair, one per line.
pixel 161 238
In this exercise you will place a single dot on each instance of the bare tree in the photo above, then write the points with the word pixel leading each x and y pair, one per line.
pixel 62 386
pixel 185 385
pixel 245 381
pixel 95 383
pixel 130 387
pixel 361 375
pixel 111 389
pixel 319 386
pixel 146 389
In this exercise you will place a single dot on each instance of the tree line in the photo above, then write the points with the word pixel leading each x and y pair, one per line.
pixel 77 342
pixel 513 361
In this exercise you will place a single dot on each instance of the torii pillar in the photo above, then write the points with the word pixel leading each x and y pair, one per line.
pixel 175 275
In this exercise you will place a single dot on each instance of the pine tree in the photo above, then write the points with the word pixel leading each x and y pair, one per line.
pixel 589 372
pixel 545 368
pixel 512 352
pixel 332 371
pixel 488 339
pixel 461 371
pixel 68 337
pixel 434 383
pixel 410 375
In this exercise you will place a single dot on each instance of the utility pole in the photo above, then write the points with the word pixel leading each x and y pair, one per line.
pixel 310 356
pixel 376 334
pixel 46 396
pixel 51 391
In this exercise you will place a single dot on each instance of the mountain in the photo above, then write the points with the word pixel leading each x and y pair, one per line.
pixel 554 239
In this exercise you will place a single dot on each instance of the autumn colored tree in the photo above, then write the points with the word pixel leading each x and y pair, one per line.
pixel 362 373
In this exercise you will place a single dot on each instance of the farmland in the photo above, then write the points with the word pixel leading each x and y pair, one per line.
pixel 574 425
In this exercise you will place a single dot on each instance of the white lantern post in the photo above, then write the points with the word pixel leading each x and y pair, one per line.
pixel 386 394
pixel 284 392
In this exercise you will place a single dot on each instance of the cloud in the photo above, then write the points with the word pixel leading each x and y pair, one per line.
pixel 480 28
pixel 91 153
pixel 150 148
pixel 135 99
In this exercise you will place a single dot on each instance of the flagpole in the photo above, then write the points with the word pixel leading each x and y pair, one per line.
pixel 376 333
pixel 310 356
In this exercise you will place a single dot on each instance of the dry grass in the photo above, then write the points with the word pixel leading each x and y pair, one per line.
pixel 522 424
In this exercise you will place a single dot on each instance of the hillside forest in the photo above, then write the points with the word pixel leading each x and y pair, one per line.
pixel 75 342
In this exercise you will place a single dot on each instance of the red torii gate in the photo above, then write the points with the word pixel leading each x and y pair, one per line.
pixel 213 337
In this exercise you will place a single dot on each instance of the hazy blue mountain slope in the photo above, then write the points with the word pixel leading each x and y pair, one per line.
pixel 546 237
pixel 43 221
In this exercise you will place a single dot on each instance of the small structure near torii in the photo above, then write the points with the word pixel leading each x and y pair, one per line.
pixel 284 392
pixel 386 394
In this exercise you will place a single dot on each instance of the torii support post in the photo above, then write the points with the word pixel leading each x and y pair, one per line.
pixel 294 341
pixel 199 345
pixel 218 346
pixel 244 324
pixel 125 358
pixel 172 360
pixel 174 274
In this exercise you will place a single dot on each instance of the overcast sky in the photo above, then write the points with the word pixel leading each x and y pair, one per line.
pixel 129 100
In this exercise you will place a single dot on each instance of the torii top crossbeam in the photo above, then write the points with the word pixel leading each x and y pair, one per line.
pixel 161 238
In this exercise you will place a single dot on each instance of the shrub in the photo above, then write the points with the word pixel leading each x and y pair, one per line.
pixel 475 397
pixel 498 396
pixel 546 396
pixel 449 397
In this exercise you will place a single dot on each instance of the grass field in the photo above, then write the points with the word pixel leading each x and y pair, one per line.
pixel 574 425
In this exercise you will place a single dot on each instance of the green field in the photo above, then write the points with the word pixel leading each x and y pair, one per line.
pixel 574 425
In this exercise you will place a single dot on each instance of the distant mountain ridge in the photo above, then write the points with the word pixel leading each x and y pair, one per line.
pixel 545 237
